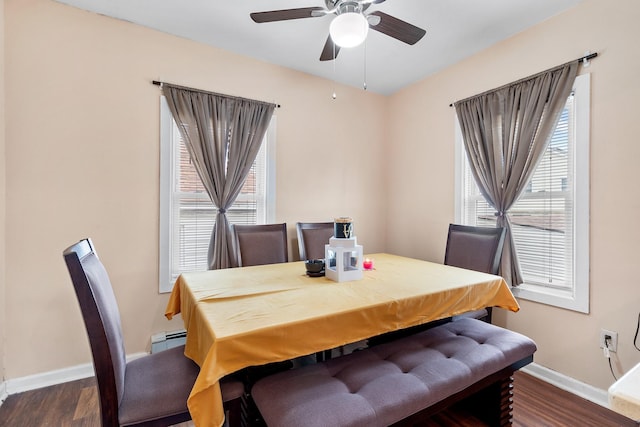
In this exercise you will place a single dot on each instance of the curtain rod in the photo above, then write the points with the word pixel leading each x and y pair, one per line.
pixel 158 83
pixel 583 59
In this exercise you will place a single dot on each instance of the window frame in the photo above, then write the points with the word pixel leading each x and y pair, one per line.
pixel 168 153
pixel 577 297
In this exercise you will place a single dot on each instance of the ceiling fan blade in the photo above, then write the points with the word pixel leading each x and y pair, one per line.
pixel 397 28
pixel 330 51
pixel 285 14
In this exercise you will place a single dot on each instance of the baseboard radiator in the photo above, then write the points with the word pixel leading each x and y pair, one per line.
pixel 166 340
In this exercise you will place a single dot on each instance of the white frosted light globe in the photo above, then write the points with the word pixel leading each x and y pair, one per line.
pixel 349 29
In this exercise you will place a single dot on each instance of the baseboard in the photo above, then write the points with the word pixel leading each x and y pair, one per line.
pixel 45 379
pixel 586 391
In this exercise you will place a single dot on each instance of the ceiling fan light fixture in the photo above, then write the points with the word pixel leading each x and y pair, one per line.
pixel 349 29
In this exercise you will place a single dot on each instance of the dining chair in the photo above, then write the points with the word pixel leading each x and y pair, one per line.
pixel 475 248
pixel 260 244
pixel 312 236
pixel 148 391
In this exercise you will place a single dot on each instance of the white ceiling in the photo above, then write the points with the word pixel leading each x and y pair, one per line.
pixel 455 29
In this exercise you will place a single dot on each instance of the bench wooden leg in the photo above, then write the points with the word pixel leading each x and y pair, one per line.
pixel 493 404
pixel 250 415
pixel 490 400
pixel 234 412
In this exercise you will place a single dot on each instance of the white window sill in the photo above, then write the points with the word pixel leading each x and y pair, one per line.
pixel 554 297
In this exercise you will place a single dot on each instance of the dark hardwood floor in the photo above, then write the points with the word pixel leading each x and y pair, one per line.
pixel 535 404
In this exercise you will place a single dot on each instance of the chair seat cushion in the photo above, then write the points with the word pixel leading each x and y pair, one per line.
pixel 157 386
pixel 231 389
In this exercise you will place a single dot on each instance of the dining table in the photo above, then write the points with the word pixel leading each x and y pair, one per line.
pixel 251 316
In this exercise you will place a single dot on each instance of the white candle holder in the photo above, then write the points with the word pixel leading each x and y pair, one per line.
pixel 343 259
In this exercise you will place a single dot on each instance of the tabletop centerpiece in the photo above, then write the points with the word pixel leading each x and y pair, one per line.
pixel 343 255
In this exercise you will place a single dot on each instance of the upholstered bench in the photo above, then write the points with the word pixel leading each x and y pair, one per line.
pixel 401 382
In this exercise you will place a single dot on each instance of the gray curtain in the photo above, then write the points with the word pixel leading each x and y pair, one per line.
pixel 505 133
pixel 223 135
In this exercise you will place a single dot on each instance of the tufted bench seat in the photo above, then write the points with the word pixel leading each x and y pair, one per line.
pixel 402 381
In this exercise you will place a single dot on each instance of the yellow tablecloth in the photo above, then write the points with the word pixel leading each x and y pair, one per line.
pixel 255 315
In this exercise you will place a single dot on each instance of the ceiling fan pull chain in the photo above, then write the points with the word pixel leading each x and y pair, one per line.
pixel 365 65
pixel 334 96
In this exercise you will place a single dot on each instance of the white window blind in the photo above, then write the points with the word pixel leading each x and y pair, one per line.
pixel 550 230
pixel 187 213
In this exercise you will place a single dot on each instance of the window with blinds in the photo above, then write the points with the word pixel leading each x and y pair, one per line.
pixel 187 214
pixel 194 213
pixel 541 218
pixel 546 218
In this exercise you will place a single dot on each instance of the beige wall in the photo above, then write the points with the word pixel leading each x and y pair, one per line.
pixel 3 199
pixel 82 160
pixel 423 122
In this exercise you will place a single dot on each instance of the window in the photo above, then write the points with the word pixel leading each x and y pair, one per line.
pixel 550 220
pixel 187 215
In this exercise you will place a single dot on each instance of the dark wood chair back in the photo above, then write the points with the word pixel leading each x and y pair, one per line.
pixel 260 244
pixel 102 321
pixel 475 248
pixel 312 236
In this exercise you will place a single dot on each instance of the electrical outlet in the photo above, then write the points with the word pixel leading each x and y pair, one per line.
pixel 613 339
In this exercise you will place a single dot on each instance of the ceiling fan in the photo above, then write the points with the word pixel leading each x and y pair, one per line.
pixel 346 10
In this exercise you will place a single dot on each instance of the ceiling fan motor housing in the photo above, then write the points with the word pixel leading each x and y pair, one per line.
pixel 349 7
pixel 346 6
